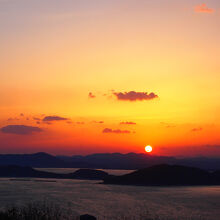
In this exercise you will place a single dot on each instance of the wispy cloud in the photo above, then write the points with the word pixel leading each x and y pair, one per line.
pixel 91 95
pixel 98 122
pixel 135 96
pixel 127 123
pixel 54 118
pixel 80 122
pixel 36 119
pixel 117 131
pixel 168 125
pixel 196 129
pixel 69 122
pixel 20 129
pixel 203 8
pixel 12 119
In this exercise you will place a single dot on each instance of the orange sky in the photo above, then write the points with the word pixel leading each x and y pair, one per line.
pixel 118 75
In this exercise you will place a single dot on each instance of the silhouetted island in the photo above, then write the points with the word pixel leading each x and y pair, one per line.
pixel 90 174
pixel 167 175
pixel 158 175
pixel 18 171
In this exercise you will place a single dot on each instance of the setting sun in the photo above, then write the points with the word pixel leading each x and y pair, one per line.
pixel 148 149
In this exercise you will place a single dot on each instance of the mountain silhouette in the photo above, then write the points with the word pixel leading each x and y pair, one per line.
pixel 40 159
pixel 128 161
pixel 135 161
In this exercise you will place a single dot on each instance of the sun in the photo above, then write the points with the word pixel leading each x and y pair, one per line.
pixel 148 149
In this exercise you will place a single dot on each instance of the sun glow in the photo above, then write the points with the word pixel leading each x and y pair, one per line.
pixel 148 149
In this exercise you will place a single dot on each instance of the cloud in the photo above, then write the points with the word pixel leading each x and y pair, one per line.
pixel 36 119
pixel 69 122
pixel 91 95
pixel 48 123
pixel 134 96
pixel 98 122
pixel 211 146
pixel 127 123
pixel 54 118
pixel 20 129
pixel 167 125
pixel 12 119
pixel 196 129
pixel 170 126
pixel 80 123
pixel 117 131
pixel 203 8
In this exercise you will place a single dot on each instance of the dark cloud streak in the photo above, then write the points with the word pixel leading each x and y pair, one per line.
pixel 98 122
pixel 117 131
pixel 196 129
pixel 127 123
pixel 135 96
pixel 20 129
pixel 54 118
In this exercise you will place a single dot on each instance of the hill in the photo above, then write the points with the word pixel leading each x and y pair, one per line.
pixel 18 171
pixel 41 159
pixel 89 174
pixel 167 175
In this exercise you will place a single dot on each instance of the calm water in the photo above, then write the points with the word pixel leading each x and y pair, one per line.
pixel 83 196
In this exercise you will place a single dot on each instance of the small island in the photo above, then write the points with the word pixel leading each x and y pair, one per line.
pixel 29 172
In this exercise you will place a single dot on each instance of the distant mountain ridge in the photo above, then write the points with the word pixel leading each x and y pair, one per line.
pixel 128 161
pixel 117 160
pixel 40 159
pixel 137 161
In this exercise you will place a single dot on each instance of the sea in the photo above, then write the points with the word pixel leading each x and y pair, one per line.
pixel 111 202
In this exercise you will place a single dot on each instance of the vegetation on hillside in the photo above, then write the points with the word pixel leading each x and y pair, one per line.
pixel 49 211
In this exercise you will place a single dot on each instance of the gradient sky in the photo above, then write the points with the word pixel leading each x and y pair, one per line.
pixel 79 77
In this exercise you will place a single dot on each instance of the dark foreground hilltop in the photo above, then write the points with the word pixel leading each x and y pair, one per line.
pixel 49 211
pixel 167 175
pixel 39 211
